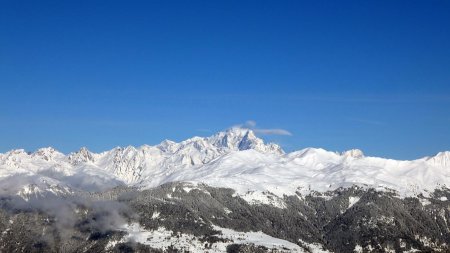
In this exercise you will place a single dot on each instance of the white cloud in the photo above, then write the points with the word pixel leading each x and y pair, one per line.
pixel 250 124
pixel 275 131
pixel 270 131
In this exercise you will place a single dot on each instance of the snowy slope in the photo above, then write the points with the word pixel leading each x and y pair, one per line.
pixel 235 158
pixel 163 239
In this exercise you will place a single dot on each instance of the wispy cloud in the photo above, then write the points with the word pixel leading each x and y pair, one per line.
pixel 265 131
pixel 250 124
pixel 275 131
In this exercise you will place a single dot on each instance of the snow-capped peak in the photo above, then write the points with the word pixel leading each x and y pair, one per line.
pixel 48 153
pixel 440 159
pixel 81 156
pixel 235 158
pixel 167 146
pixel 238 139
pixel 355 153
pixel 19 151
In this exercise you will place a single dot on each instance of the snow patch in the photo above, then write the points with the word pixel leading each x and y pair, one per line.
pixel 163 239
pixel 263 198
pixel 155 214
pixel 314 247
pixel 358 249
pixel 257 238
pixel 352 201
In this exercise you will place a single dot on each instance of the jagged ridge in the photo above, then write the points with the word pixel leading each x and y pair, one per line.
pixel 235 158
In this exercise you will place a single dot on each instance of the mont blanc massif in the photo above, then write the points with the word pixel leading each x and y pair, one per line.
pixel 230 192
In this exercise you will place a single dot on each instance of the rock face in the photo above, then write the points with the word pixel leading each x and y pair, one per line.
pixel 227 192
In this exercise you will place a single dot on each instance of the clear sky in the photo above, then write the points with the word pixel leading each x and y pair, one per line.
pixel 373 75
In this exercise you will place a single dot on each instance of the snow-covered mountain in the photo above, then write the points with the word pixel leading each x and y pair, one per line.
pixel 228 192
pixel 235 159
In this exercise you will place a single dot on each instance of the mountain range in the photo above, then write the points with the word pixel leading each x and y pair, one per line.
pixel 236 172
pixel 235 158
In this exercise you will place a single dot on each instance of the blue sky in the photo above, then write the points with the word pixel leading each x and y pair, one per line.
pixel 373 75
